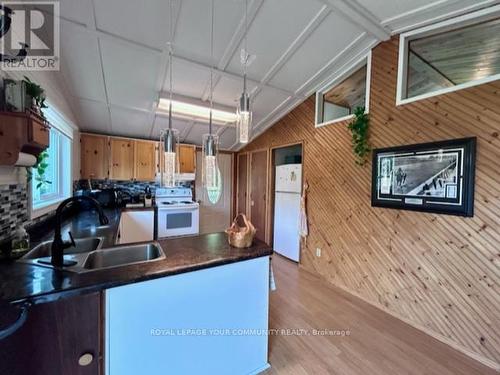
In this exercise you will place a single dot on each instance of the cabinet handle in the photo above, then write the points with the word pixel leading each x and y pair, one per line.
pixel 18 323
pixel 85 359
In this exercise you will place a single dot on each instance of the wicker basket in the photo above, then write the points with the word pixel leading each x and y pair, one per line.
pixel 241 232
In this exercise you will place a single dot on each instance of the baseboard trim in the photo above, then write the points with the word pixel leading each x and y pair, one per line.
pixel 445 340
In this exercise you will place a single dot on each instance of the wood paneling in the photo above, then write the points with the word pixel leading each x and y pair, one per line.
pixel 94 156
pixel 258 192
pixel 437 272
pixel 145 160
pixel 242 184
pixel 121 159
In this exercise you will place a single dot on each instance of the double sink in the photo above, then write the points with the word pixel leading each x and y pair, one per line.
pixel 89 255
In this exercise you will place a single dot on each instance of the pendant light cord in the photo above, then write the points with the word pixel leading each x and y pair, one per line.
pixel 246 50
pixel 170 66
pixel 211 69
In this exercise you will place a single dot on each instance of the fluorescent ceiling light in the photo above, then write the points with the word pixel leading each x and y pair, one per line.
pixel 196 111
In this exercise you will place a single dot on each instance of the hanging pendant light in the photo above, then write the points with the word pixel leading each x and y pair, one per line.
pixel 211 176
pixel 169 138
pixel 243 113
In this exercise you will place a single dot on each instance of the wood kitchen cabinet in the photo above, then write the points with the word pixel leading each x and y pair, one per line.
pixel 121 164
pixel 145 160
pixel 54 338
pixel 187 158
pixel 94 156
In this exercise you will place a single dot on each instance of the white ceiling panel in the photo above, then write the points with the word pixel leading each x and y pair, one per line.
pixel 388 9
pixel 188 79
pixel 192 38
pixel 267 100
pixel 227 138
pixel 93 116
pixel 276 26
pixel 228 91
pixel 197 132
pixel 334 32
pixel 130 73
pixel 161 122
pixel 130 123
pixel 145 22
pixel 79 11
pixel 81 63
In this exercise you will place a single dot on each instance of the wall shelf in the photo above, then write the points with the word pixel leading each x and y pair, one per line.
pixel 22 132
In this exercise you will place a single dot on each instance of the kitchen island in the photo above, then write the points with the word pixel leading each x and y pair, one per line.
pixel 201 309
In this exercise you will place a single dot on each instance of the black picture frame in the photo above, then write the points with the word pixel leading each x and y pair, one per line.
pixel 435 177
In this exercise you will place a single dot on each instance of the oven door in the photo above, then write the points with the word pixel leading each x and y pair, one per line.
pixel 178 221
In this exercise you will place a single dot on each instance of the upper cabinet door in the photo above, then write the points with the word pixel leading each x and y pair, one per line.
pixel 187 159
pixel 122 159
pixel 145 160
pixel 94 157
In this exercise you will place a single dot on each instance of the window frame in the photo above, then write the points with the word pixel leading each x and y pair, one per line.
pixel 366 59
pixel 483 15
pixel 64 181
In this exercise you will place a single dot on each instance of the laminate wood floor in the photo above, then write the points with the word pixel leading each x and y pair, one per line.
pixel 378 344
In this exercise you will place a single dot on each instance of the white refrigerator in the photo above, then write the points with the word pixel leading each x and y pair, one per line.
pixel 288 186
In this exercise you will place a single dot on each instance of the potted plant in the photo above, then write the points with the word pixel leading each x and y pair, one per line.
pixel 36 95
pixel 359 127
pixel 40 166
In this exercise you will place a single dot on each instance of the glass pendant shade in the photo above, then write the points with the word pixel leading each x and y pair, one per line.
pixel 211 176
pixel 169 163
pixel 244 119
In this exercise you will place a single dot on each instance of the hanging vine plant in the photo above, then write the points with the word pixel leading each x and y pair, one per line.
pixel 40 167
pixel 359 127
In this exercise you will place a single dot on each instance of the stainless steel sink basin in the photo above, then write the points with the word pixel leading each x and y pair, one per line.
pixel 83 245
pixel 87 259
pixel 123 255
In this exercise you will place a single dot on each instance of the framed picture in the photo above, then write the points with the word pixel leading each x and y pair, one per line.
pixel 433 177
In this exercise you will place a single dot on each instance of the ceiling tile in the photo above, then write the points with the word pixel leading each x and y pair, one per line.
pixel 93 116
pixel 130 123
pixel 161 122
pixel 266 101
pixel 227 138
pixel 187 79
pixel 131 74
pixel 228 91
pixel 334 32
pixel 197 132
pixel 192 38
pixel 277 25
pixel 145 22
pixel 81 63
pixel 388 9
pixel 79 11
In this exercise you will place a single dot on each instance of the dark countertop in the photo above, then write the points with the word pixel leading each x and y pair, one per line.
pixel 20 282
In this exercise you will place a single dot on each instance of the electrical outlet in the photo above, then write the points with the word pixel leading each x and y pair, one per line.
pixel 318 252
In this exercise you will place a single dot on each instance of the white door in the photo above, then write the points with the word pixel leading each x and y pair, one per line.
pixel 215 217
pixel 286 225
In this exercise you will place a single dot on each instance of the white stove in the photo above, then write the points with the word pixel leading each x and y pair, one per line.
pixel 178 214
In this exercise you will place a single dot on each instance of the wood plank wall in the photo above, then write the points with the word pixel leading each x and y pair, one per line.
pixel 440 273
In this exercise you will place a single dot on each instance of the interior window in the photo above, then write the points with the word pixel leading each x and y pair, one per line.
pixel 339 101
pixel 446 61
pixel 55 184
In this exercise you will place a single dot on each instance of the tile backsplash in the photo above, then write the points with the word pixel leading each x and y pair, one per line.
pixel 13 208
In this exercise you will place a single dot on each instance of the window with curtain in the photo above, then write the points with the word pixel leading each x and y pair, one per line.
pixel 57 176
